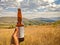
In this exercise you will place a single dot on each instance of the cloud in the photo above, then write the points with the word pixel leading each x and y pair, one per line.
pixel 18 1
pixel 49 1
pixel 41 14
pixel 42 5
pixel 8 14
pixel 1 8
pixel 9 7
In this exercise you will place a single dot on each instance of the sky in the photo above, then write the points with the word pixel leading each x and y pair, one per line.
pixel 9 7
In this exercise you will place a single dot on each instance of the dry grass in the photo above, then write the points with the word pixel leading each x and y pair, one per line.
pixel 34 35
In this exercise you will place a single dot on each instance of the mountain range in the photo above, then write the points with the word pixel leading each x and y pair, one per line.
pixel 52 19
pixel 35 21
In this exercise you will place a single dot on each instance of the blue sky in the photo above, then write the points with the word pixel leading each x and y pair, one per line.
pixel 9 7
pixel 57 1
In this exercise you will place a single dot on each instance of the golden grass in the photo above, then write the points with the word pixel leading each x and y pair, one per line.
pixel 34 35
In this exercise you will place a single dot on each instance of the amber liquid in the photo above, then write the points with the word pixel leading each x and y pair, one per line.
pixel 21 39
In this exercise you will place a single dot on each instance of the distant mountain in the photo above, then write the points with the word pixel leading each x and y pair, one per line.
pixel 35 21
pixel 43 19
pixel 13 20
pixel 55 18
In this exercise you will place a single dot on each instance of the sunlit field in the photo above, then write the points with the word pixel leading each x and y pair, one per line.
pixel 34 35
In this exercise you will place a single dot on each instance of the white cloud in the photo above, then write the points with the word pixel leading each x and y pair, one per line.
pixel 1 8
pixel 41 14
pixel 8 14
pixel 19 1
pixel 49 1
pixel 54 5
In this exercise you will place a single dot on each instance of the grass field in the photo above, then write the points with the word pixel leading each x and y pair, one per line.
pixel 34 35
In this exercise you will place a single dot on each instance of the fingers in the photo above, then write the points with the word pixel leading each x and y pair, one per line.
pixel 16 30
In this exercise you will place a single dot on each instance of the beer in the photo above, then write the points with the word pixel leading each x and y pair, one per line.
pixel 20 26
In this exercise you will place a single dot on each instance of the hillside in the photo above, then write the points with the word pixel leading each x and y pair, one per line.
pixel 11 21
